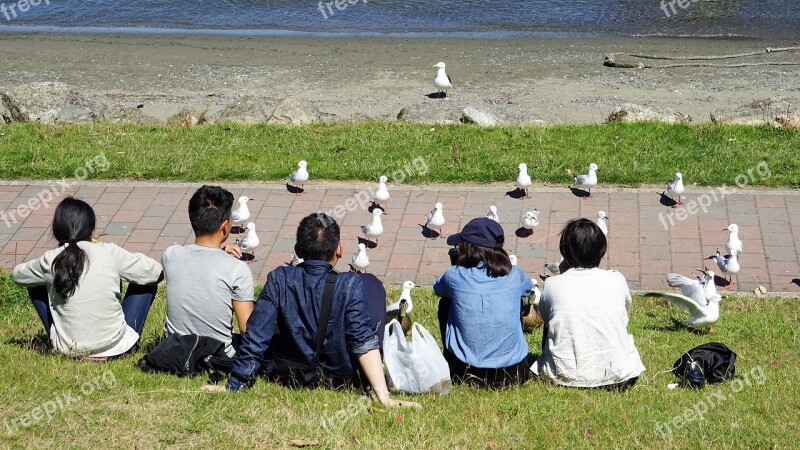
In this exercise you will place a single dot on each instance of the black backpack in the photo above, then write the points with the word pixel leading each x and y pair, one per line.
pixel 708 363
pixel 187 356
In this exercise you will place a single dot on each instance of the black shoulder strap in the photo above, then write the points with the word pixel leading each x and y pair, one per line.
pixel 327 301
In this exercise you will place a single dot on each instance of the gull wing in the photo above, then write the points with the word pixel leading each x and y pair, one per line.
pixel 681 301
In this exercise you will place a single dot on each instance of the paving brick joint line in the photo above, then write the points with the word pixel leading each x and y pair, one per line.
pixel 148 218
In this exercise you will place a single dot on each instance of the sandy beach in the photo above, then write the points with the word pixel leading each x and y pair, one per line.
pixel 521 80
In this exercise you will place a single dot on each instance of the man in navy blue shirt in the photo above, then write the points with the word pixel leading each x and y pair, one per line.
pixel 286 317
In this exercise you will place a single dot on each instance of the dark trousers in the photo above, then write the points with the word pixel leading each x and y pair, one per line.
pixel 460 372
pixel 135 306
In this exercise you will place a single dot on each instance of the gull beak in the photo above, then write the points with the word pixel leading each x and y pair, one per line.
pixel 724 229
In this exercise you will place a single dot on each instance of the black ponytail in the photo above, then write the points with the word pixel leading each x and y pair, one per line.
pixel 74 221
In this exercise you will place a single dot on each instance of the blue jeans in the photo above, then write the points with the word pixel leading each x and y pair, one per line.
pixel 135 306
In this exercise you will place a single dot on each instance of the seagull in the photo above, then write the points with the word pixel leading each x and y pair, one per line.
pixel 523 179
pixel 250 240
pixel 588 181
pixel 676 187
pixel 554 267
pixel 702 312
pixel 530 220
pixel 492 214
pixel 707 282
pixel 442 82
pixel 360 259
pixel 734 243
pixel 300 176
pixel 513 259
pixel 435 218
pixel 382 194
pixel 400 315
pixel 601 221
pixel 405 294
pixel 296 260
pixel 241 214
pixel 375 227
pixel 530 312
pixel 728 265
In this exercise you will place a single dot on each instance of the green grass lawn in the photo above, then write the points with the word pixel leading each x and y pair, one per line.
pixel 122 407
pixel 628 154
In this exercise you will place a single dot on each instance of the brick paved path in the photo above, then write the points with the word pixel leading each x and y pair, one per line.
pixel 148 217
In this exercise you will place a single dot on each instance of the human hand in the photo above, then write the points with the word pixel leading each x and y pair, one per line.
pixel 213 388
pixel 234 250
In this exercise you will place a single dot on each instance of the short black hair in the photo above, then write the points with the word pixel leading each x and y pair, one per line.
pixel 583 244
pixel 317 237
pixel 208 207
pixel 495 260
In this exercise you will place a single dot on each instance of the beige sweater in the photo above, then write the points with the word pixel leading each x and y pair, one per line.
pixel 91 321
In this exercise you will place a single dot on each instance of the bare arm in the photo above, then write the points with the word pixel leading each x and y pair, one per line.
pixel 242 311
pixel 373 368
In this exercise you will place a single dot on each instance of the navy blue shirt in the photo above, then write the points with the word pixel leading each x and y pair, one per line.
pixel 290 306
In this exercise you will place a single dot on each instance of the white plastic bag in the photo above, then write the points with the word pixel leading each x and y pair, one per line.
pixel 414 367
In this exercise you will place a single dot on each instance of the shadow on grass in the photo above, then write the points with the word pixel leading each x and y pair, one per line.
pixel 677 326
pixel 39 343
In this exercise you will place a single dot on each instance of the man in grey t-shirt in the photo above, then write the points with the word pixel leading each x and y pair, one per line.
pixel 206 285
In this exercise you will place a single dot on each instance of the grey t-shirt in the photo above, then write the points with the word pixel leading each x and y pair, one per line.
pixel 201 282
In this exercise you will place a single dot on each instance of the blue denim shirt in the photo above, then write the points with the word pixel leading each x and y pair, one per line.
pixel 290 304
pixel 484 328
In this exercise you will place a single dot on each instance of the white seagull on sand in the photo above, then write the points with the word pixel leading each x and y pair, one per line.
pixel 360 259
pixel 442 82
pixel 375 227
pixel 734 243
pixel 435 218
pixel 492 214
pixel 300 176
pixel 703 311
pixel 675 187
pixel 601 221
pixel 589 180
pixel 404 295
pixel 523 179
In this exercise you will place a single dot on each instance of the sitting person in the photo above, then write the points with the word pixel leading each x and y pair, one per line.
pixel 75 288
pixel 585 313
pixel 287 315
pixel 480 309
pixel 206 285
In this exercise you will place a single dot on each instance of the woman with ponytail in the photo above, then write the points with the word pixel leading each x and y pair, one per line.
pixel 75 288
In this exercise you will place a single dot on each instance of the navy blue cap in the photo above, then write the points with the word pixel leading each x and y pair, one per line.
pixel 482 232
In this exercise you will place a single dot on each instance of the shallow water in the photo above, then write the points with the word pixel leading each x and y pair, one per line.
pixel 755 18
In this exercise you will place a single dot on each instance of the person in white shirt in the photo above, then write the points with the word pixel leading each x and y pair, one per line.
pixel 585 312
pixel 75 288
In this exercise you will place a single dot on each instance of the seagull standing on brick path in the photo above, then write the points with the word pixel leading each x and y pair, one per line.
pixel 360 259
pixel 435 218
pixel 675 187
pixel 242 213
pixel 589 180
pixel 382 194
pixel 492 214
pixel 523 179
pixel 734 243
pixel 375 227
pixel 530 220
pixel 727 265
pixel 601 221
pixel 300 176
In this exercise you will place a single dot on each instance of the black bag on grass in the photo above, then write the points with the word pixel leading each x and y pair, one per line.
pixel 708 363
pixel 187 355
